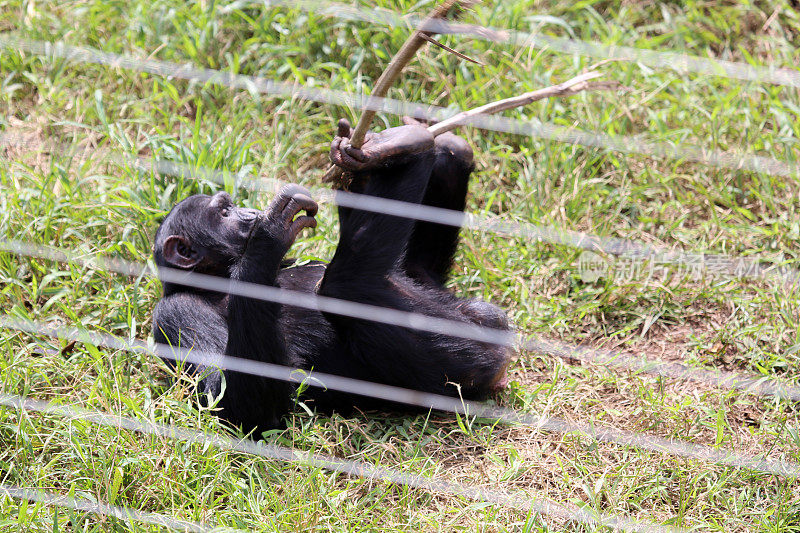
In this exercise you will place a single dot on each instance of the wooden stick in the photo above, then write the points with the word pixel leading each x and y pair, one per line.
pixel 387 79
pixel 402 58
pixel 568 88
pixel 447 48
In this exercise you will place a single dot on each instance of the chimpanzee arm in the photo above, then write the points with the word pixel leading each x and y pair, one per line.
pixel 186 320
pixel 253 328
pixel 190 322
pixel 250 328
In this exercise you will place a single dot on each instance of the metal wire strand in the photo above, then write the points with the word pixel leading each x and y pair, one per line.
pixel 525 503
pixel 676 61
pixel 747 383
pixel 694 262
pixel 256 85
pixel 426 400
pixel 100 508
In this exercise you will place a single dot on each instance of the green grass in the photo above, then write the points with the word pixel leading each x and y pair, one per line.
pixel 80 200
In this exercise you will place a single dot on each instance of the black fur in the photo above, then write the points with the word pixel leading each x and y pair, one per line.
pixel 380 260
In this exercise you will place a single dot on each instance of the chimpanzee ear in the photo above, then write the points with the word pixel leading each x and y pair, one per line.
pixel 180 253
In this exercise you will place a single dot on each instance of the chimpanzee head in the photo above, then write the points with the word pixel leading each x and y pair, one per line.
pixel 204 233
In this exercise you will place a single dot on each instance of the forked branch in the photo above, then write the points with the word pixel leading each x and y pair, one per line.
pixel 402 58
pixel 568 88
pixel 390 75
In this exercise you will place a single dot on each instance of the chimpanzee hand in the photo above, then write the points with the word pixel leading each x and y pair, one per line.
pixel 278 225
pixel 379 149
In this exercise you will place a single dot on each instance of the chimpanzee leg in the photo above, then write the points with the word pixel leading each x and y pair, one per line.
pixel 371 244
pixel 430 251
pixel 371 249
pixel 431 248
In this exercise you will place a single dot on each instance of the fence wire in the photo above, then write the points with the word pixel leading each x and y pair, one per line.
pixel 95 507
pixel 260 85
pixel 525 503
pixel 748 383
pixel 676 61
pixel 694 264
pixel 426 400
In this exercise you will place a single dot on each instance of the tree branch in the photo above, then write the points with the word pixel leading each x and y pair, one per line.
pixel 389 76
pixel 567 88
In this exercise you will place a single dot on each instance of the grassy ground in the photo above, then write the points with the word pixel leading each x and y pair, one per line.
pixel 79 200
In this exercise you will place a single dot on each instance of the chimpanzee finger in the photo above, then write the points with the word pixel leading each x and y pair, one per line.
pixel 299 202
pixel 355 153
pixel 336 144
pixel 306 203
pixel 343 160
pixel 287 192
pixel 301 223
pixel 343 128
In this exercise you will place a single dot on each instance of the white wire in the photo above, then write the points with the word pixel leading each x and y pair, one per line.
pixel 254 84
pixel 426 400
pixel 676 61
pixel 751 384
pixel 101 508
pixel 625 248
pixel 525 503
pixel 755 384
pixel 736 266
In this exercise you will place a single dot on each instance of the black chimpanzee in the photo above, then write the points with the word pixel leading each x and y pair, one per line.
pixel 380 260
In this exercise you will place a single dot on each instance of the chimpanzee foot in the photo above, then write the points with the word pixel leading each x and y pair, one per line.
pixel 501 383
pixel 392 145
pixel 454 147
pixel 281 218
pixel 447 143
pixel 484 314
pixel 490 316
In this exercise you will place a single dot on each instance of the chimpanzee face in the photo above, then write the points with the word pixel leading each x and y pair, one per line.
pixel 204 230
pixel 226 222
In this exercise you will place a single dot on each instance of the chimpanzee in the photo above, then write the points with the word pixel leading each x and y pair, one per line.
pixel 381 260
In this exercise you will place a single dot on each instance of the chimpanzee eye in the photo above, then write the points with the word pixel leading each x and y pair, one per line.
pixel 226 211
